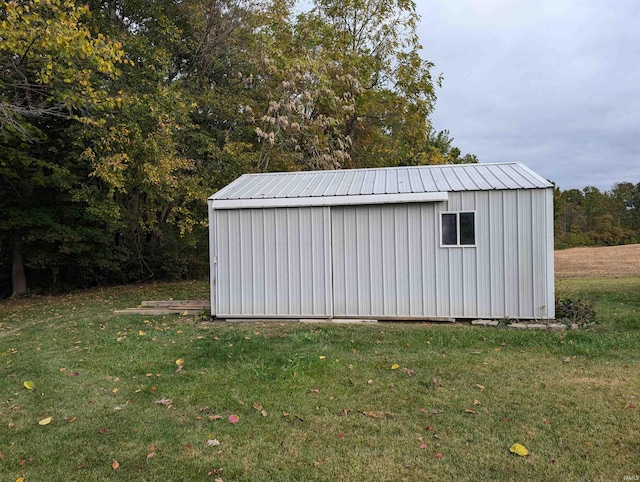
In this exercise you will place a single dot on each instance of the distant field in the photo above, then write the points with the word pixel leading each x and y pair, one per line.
pixel 608 261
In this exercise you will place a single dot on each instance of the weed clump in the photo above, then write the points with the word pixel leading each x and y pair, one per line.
pixel 572 311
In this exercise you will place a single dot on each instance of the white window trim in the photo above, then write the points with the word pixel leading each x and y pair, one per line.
pixel 475 232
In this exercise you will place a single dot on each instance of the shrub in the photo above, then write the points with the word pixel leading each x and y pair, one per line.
pixel 572 311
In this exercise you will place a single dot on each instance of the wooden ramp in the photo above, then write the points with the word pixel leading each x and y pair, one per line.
pixel 169 307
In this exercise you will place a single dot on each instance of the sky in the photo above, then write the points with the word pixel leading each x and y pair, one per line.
pixel 554 84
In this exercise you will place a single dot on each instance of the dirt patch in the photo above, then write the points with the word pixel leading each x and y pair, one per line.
pixel 607 261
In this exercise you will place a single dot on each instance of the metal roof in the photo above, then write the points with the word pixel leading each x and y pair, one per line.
pixel 364 186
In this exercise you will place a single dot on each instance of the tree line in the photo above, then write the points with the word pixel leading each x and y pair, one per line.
pixel 118 118
pixel 590 217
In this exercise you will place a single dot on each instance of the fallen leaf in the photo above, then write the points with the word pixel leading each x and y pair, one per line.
pixel 438 455
pixel 115 390
pixel 214 417
pixel 257 406
pixel 180 361
pixel 233 418
pixel 213 442
pixel 547 421
pixel 149 455
pixel 423 446
pixel 314 390
pixel 468 410
pixel 45 421
pixel 20 479
pixel 322 357
pixel 163 401
pixel 263 413
pixel 566 359
pixel 141 333
pixel 476 402
pixel 481 387
pixel 519 449
pixel 395 366
pixel 630 406
pixel 115 465
pixel 29 385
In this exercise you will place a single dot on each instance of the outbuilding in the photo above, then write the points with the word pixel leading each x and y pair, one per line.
pixel 452 241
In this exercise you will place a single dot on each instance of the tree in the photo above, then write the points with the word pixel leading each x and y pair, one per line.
pixel 51 66
pixel 344 85
pixel 49 62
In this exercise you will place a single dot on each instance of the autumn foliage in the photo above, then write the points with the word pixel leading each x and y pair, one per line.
pixel 118 119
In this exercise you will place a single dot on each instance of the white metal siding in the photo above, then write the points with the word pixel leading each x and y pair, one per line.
pixel 272 262
pixel 388 261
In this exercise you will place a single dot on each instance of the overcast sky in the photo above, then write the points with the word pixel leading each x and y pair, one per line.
pixel 554 84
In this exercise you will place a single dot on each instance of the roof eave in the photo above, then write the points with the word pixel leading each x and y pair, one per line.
pixel 348 200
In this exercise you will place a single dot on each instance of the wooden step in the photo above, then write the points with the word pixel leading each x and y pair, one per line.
pixel 168 307
pixel 176 303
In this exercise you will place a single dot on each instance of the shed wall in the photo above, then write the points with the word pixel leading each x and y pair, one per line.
pixel 272 262
pixel 386 260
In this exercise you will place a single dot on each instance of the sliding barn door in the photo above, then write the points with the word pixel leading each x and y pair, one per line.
pixel 273 262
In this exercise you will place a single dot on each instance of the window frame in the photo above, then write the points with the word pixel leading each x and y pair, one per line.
pixel 457 225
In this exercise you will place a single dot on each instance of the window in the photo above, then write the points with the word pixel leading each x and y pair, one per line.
pixel 458 229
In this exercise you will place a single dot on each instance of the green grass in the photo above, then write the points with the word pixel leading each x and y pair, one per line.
pixel 335 408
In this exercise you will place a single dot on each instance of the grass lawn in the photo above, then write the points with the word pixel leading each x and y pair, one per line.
pixel 314 402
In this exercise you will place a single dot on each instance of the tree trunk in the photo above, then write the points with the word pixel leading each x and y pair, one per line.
pixel 18 276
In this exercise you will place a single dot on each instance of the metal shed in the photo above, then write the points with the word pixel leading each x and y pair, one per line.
pixel 455 241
